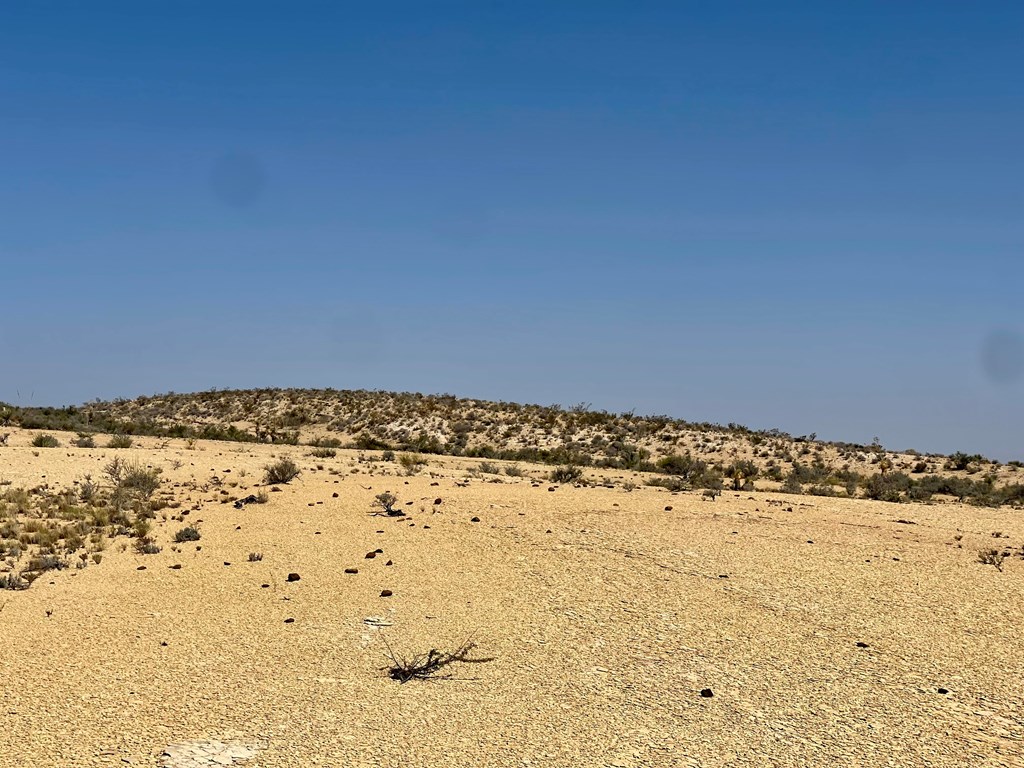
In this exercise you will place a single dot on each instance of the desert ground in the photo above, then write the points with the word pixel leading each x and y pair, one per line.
pixel 626 626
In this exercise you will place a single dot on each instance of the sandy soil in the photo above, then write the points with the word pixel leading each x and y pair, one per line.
pixel 606 612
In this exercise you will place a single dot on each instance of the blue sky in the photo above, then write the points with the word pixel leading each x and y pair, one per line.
pixel 795 215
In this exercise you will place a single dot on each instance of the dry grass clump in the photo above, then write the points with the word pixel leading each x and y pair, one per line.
pixel 992 557
pixel 427 666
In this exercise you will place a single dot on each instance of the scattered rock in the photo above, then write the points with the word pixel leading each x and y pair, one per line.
pixel 386 593
pixel 668 508
pixel 293 577
pixel 141 568
pixel 370 555
pixel 289 621
pixel 707 693
pixel 943 691
pixel 176 567
pixel 474 520
pixel 862 645
pixel 351 570
pixel 437 501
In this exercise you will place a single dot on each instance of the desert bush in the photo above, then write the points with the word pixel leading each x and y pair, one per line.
pixel 488 468
pixel 45 441
pixel 887 486
pixel 132 478
pixel 146 546
pixel 411 462
pixel 791 484
pixel 991 557
pixel 674 484
pixel 12 581
pixel 386 502
pixel 326 442
pixel 323 453
pixel 84 440
pixel 119 441
pixel 281 471
pixel 567 474
pixel 188 533
pixel 514 470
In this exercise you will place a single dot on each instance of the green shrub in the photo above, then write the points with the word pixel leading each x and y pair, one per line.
pixel 567 474
pixel 45 441
pixel 281 471
pixel 119 441
pixel 188 533
pixel 85 440
pixel 323 453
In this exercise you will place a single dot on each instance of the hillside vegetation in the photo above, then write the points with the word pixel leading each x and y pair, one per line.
pixel 677 453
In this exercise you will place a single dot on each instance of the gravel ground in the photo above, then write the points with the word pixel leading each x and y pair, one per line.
pixel 756 630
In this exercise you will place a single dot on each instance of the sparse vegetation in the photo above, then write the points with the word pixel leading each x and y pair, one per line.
pixel 119 441
pixel 45 441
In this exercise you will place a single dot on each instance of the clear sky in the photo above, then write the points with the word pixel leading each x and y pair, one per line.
pixel 804 215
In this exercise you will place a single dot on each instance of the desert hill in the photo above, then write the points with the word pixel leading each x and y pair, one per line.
pixel 685 454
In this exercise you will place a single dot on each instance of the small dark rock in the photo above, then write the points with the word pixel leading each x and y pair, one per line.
pixel 293 577
pixel 141 568
pixel 386 593
pixel 176 567
pixel 334 495
pixel 351 570
pixel 437 501
pixel 668 508
pixel 474 520
pixel 264 586
pixel 943 691
pixel 370 555
pixel 862 645
pixel 390 562
pixel 707 693
pixel 289 621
